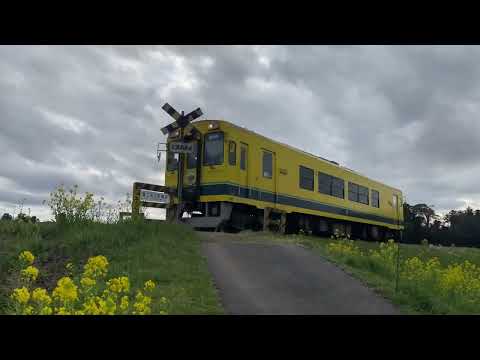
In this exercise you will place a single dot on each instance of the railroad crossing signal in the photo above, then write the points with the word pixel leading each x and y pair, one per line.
pixel 181 120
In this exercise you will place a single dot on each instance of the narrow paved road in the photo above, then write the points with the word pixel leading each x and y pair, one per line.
pixel 263 278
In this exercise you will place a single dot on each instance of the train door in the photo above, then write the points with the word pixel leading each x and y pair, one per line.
pixel 243 177
pixel 191 174
pixel 268 177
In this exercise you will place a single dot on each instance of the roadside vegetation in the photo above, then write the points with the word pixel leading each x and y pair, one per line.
pixel 160 261
pixel 431 279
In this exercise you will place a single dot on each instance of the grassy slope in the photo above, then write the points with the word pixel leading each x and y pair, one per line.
pixel 166 253
pixel 421 303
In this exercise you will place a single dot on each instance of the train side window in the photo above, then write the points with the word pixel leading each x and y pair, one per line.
pixel 352 192
pixel 375 198
pixel 324 183
pixel 338 187
pixel 172 161
pixel 363 195
pixel 243 157
pixel 331 185
pixel 232 153
pixel 306 178
pixel 267 164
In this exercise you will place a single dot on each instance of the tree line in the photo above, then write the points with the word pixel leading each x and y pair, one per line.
pixel 457 227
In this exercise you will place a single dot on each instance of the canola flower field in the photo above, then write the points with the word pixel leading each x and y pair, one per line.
pixel 431 279
pixel 126 268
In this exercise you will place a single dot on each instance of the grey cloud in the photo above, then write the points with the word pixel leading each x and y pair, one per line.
pixel 405 115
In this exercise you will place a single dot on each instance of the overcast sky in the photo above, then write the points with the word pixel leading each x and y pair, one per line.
pixel 91 115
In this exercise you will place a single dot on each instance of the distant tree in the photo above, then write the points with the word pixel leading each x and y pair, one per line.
pixel 425 212
pixel 436 226
pixel 7 216
pixel 22 217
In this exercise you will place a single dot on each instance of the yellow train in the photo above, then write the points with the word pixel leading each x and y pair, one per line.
pixel 238 179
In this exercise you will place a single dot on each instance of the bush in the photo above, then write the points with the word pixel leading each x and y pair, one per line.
pixel 69 207
pixel 7 217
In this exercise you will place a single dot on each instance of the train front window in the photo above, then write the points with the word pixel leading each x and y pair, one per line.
pixel 213 154
pixel 172 161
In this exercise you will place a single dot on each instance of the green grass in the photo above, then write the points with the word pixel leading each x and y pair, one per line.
pixel 169 254
pixel 409 299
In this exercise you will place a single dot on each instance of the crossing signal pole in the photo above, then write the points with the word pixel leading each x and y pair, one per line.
pixel 181 121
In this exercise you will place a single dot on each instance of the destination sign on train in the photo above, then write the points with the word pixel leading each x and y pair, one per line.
pixel 182 147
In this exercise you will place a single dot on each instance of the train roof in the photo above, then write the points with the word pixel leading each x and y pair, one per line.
pixel 334 163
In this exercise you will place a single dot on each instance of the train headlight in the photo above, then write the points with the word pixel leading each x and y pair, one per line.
pixel 212 126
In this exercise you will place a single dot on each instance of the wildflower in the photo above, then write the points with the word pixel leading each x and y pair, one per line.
pixel 142 304
pixel 96 267
pixel 46 310
pixel 87 282
pixel 28 310
pixel 21 295
pixel 90 307
pixel 149 285
pixel 118 285
pixel 69 268
pixel 124 303
pixel 30 273
pixel 63 311
pixel 103 306
pixel 27 257
pixel 66 290
pixel 40 296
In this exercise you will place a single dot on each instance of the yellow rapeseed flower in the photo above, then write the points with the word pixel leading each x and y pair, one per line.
pixel 149 285
pixel 124 303
pixel 27 257
pixel 96 267
pixel 63 311
pixel 118 285
pixel 28 310
pixel 87 282
pixel 40 296
pixel 21 295
pixel 90 307
pixel 66 290
pixel 46 310
pixel 142 304
pixel 30 273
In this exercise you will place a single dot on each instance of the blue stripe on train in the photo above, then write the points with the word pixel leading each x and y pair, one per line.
pixel 255 194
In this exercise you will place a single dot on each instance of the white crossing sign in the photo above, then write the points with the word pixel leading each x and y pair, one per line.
pixel 181 120
pixel 182 147
pixel 154 197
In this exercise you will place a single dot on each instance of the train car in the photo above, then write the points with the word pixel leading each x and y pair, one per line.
pixel 237 179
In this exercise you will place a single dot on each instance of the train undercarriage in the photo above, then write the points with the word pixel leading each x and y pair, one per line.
pixel 231 217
